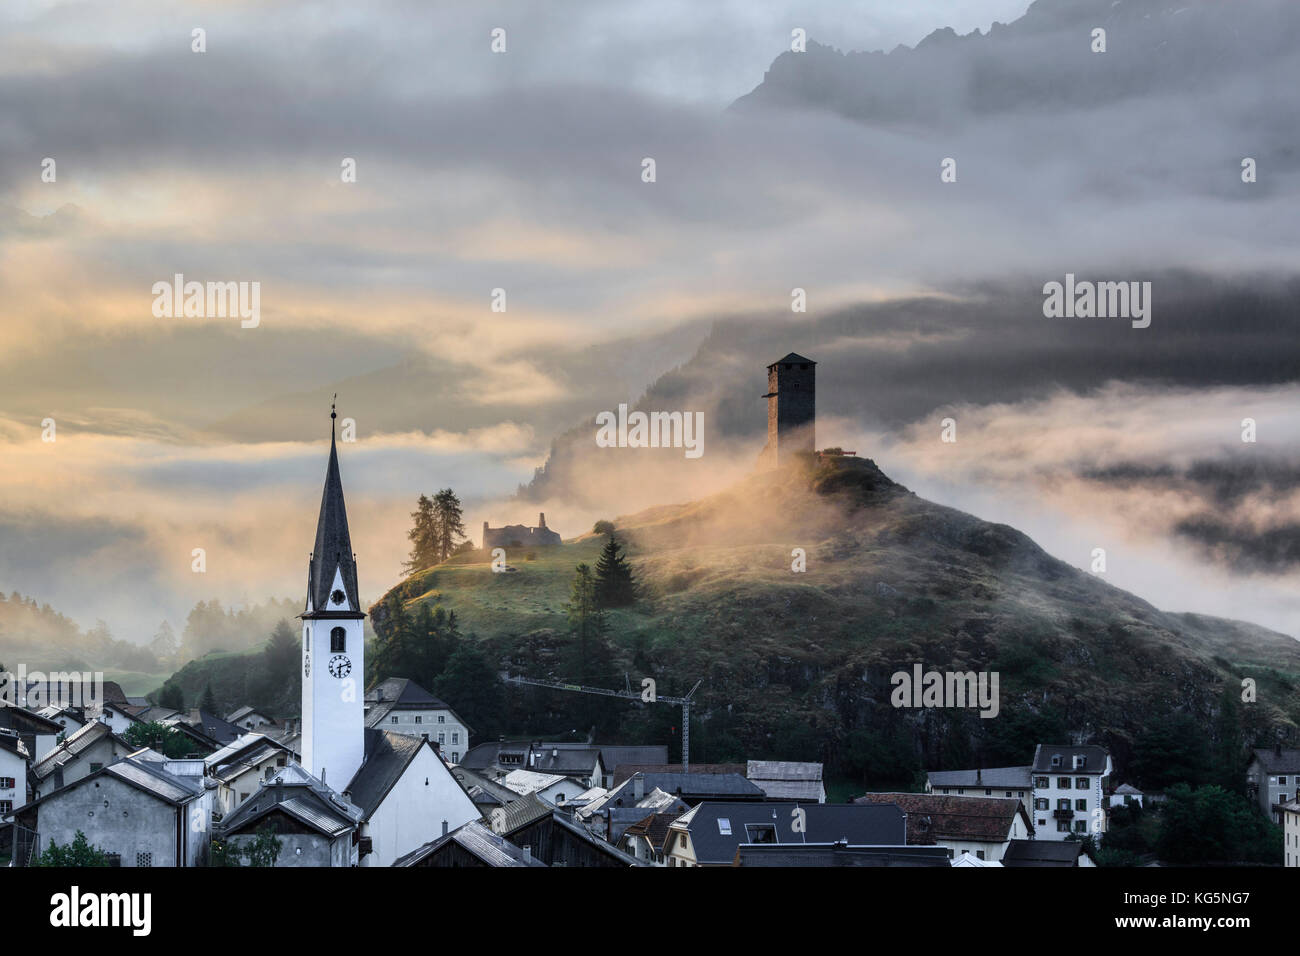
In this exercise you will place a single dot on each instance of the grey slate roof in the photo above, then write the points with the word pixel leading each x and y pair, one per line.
pixel 874 825
pixel 149 776
pixel 302 802
pixel 478 840
pixel 402 693
pixel 73 746
pixel 387 755
pixel 27 722
pixel 611 755
pixel 333 542
pixel 220 730
pixel 1006 778
pixel 519 813
pixel 697 786
pixel 1043 754
pixel 794 358
pixel 1042 853
pixel 1288 761
pixel 840 854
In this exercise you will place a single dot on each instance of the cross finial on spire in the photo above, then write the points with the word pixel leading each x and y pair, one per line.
pixel 334 414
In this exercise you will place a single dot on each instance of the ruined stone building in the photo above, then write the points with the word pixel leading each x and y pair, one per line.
pixel 520 536
pixel 791 410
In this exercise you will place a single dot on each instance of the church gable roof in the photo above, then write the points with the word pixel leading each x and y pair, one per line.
pixel 387 757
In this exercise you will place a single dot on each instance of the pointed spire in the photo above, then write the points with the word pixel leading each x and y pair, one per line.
pixel 333 542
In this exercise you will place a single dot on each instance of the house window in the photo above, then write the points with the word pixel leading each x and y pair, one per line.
pixel 394 720
pixel 1020 794
pixel 419 719
pixel 760 832
pixel 6 806
pixel 1063 804
pixel 724 827
pixel 1281 781
pixel 989 793
pixel 1081 783
pixel 1009 793
pixel 1080 826
pixel 1063 783
pixel 7 783
pixel 455 737
pixel 338 641
pixel 1062 826
pixel 1042 783
pixel 1042 803
pixel 144 859
pixel 961 791
pixel 455 756
pixel 980 854
pixel 442 718
pixel 1081 805
pixel 442 738
pixel 945 790
pixel 1042 823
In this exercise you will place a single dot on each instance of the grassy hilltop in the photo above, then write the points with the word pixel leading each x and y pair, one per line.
pixel 799 663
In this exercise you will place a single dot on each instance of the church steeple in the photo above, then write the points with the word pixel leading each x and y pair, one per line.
pixel 333 642
pixel 332 558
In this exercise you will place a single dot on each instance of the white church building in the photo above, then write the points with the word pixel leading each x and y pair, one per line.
pixel 405 794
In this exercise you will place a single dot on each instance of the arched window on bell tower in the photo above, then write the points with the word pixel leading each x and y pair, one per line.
pixel 338 641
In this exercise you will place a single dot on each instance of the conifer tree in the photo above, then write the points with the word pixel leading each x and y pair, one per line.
pixel 615 586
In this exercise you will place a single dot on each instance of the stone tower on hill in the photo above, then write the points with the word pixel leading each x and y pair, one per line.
pixel 791 410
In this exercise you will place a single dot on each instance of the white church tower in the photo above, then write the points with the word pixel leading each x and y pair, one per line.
pixel 333 644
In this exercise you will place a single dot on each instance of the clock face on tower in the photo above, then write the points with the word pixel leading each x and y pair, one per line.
pixel 340 666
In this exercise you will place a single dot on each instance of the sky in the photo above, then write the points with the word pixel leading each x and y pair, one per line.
pixel 522 171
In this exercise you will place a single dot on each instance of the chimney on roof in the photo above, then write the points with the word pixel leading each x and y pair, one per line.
pixel 322 776
pixel 1277 748
pixel 541 519
pixel 528 853
pixel 979 776
pixel 444 827
pixel 638 787
pixel 555 753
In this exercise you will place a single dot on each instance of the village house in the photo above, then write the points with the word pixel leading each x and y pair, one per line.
pixel 787 780
pixel 644 839
pixel 472 845
pixel 315 826
pixel 979 826
pixel 14 759
pixel 69 718
pixel 241 767
pixel 404 707
pixel 554 838
pixel 1001 782
pixel 1068 787
pixel 710 834
pixel 1291 833
pixel 39 734
pixel 246 718
pixel 84 752
pixel 551 787
pixel 118 716
pixel 1046 853
pixel 143 810
pixel 1273 778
